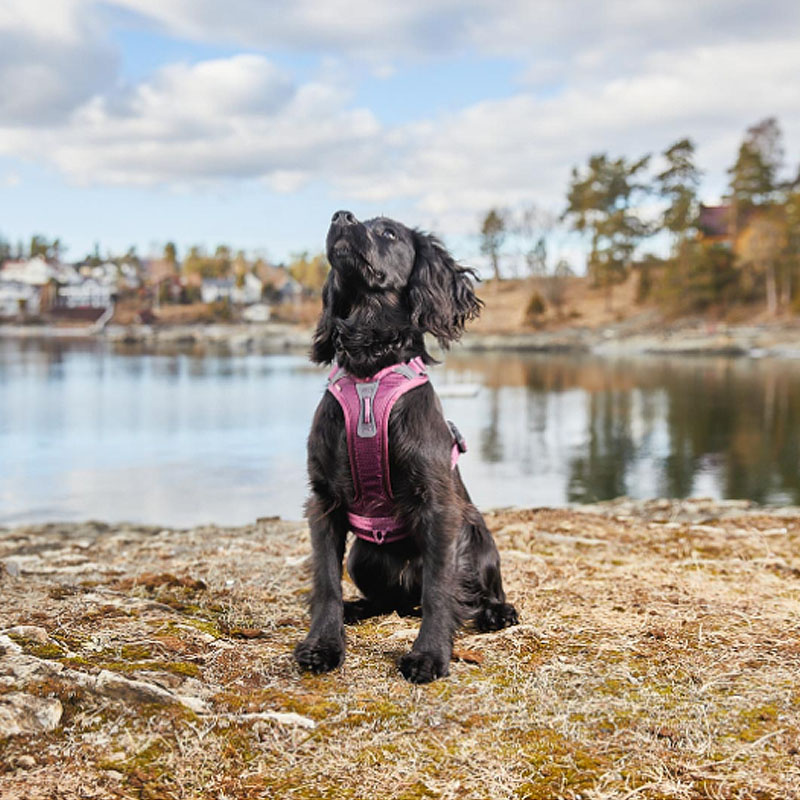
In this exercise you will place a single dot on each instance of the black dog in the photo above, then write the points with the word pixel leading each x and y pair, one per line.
pixel 388 286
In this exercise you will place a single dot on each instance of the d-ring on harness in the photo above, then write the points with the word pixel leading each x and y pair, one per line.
pixel 367 404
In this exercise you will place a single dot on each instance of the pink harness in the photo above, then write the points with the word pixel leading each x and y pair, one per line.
pixel 367 404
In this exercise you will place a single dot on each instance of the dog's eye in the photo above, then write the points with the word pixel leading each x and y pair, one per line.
pixel 388 233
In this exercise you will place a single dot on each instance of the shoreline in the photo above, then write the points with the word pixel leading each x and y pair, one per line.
pixel 139 661
pixel 754 341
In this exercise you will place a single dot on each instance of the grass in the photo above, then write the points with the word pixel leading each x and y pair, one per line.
pixel 658 657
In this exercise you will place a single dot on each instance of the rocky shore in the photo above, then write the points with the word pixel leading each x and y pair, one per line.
pixel 657 657
pixel 638 335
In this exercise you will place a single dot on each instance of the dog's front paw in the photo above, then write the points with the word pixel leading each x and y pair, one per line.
pixel 496 616
pixel 423 667
pixel 319 655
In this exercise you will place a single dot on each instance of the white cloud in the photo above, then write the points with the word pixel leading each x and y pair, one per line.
pixel 620 77
pixel 519 149
pixel 53 57
pixel 221 119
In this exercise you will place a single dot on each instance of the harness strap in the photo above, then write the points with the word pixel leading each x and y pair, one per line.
pixel 367 405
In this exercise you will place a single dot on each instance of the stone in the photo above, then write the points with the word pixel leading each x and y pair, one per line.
pixel 26 762
pixel 30 633
pixel 18 669
pixel 118 687
pixel 289 718
pixel 8 646
pixel 24 714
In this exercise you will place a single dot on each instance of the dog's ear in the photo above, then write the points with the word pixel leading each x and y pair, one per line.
pixel 323 347
pixel 440 291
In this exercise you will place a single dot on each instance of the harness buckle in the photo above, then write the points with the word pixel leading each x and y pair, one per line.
pixel 458 439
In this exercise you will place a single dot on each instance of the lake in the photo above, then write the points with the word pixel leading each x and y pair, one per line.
pixel 88 430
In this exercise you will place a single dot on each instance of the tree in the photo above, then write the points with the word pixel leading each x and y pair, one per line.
pixel 555 287
pixel 310 273
pixel 700 276
pixel 678 185
pixel 791 256
pixel 493 234
pixel 600 202
pixel 40 246
pixel 754 175
pixel 170 253
pixel 222 256
pixel 94 258
pixel 760 246
pixel 532 228
pixel 241 266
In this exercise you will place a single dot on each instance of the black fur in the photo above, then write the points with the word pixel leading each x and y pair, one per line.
pixel 388 286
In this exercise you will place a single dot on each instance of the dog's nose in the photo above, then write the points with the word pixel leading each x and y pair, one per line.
pixel 344 218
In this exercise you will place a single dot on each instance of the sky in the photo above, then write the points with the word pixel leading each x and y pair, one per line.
pixel 248 122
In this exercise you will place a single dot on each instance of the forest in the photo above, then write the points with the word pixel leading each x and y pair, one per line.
pixel 689 256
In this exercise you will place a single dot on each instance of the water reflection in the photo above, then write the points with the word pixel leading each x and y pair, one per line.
pixel 182 437
pixel 641 426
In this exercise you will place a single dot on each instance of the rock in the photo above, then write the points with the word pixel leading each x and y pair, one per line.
pixel 30 633
pixel 26 762
pixel 8 646
pixel 118 687
pixel 24 714
pixel 18 669
pixel 289 718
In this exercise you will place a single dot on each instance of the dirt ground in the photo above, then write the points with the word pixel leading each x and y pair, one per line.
pixel 658 656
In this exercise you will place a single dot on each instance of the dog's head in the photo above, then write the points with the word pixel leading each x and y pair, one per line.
pixel 402 274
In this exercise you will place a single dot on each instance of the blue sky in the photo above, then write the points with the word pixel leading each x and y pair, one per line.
pixel 132 122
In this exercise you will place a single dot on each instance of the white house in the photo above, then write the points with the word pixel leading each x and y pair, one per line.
pixel 16 297
pixel 258 312
pixel 215 289
pixel 90 293
pixel 249 292
pixel 38 272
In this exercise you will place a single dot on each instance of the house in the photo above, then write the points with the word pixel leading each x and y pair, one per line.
pixel 130 278
pixel 721 225
pixel 90 293
pixel 17 297
pixel 280 286
pixel 249 291
pixel 714 224
pixel 38 272
pixel 107 273
pixel 258 312
pixel 212 290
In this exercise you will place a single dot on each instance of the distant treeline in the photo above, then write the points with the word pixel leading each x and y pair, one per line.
pixel 745 250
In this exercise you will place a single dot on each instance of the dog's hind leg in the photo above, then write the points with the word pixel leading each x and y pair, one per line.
pixel 479 566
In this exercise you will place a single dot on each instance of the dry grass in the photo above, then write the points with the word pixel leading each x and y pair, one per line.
pixel 658 657
pixel 506 304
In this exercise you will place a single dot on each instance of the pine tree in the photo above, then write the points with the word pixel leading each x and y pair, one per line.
pixel 678 185
pixel 601 202
pixel 493 234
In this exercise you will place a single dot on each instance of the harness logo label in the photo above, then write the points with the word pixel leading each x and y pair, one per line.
pixel 367 424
